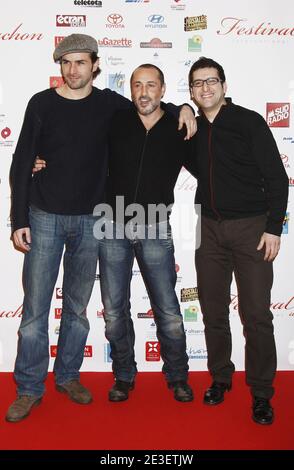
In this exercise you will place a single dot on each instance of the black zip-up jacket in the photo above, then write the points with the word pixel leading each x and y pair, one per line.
pixel 144 165
pixel 240 172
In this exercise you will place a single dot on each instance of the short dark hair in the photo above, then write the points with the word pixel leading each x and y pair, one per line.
pixel 150 66
pixel 203 63
pixel 94 57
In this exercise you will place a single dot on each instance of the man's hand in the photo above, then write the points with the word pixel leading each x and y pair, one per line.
pixel 22 238
pixel 38 165
pixel 272 245
pixel 187 117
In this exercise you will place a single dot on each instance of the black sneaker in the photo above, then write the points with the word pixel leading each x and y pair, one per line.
pixel 120 390
pixel 262 411
pixel 182 390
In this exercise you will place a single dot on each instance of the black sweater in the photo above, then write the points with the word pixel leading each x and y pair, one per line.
pixel 144 165
pixel 71 135
pixel 240 172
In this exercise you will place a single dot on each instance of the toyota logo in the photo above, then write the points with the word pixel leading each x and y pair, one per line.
pixel 114 18
pixel 155 19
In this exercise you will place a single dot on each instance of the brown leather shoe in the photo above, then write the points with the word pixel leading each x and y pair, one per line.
pixel 21 407
pixel 120 390
pixel 76 392
pixel 182 390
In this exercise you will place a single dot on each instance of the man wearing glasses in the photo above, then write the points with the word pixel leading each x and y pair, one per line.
pixel 243 191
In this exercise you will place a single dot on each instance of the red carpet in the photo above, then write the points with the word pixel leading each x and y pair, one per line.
pixel 150 419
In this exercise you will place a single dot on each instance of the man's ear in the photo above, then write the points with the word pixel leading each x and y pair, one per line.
pixel 96 65
pixel 163 89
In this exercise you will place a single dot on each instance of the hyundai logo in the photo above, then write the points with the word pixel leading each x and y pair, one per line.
pixel 155 19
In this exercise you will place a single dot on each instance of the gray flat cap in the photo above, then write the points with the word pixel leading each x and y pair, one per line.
pixel 75 43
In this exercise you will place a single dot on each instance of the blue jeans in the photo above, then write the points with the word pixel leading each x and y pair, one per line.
pixel 50 234
pixel 157 264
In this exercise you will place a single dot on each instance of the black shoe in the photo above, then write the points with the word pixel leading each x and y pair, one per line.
pixel 120 390
pixel 262 411
pixel 215 393
pixel 182 390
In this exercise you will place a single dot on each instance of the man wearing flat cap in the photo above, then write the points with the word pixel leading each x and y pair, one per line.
pixel 52 217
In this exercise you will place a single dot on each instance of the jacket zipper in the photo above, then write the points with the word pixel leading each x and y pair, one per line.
pixel 212 202
pixel 140 166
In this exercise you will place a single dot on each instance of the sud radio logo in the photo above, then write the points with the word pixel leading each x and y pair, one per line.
pixel 278 114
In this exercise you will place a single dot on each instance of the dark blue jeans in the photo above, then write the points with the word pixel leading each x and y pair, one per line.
pixel 157 264
pixel 50 234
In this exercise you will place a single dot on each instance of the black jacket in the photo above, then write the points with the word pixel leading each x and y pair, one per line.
pixel 144 165
pixel 240 172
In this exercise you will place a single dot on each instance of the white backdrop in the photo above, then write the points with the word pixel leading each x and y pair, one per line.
pixel 254 41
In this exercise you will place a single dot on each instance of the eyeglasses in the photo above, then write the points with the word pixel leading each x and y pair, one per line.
pixel 209 81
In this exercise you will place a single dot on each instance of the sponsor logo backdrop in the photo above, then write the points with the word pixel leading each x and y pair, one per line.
pixel 253 41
